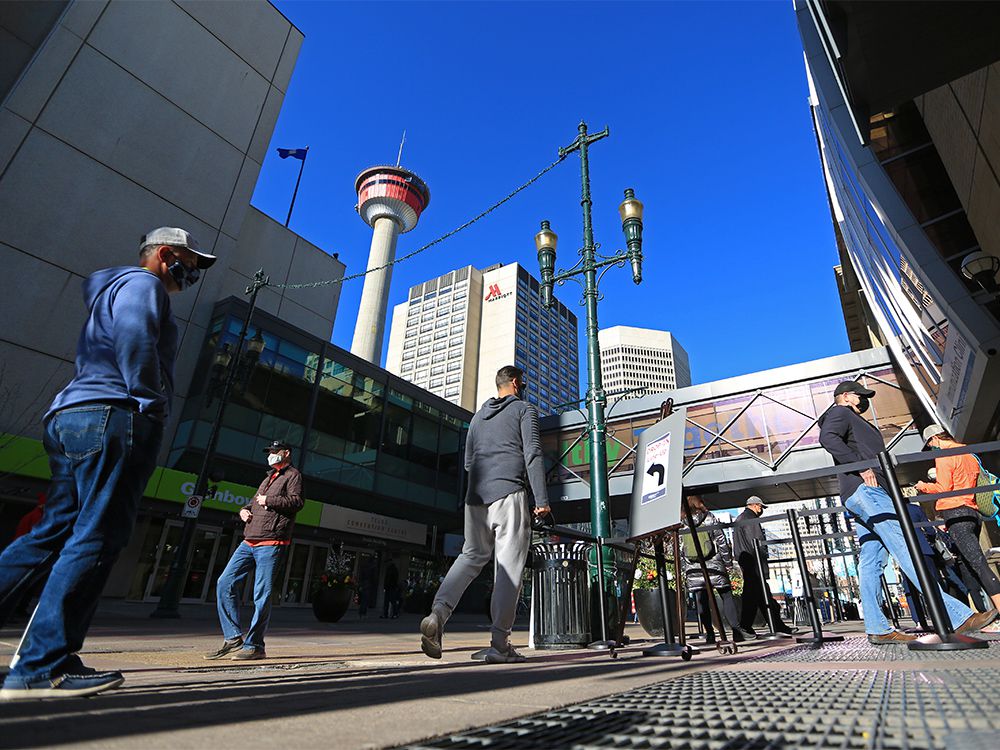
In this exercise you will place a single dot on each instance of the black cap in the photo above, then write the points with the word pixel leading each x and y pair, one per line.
pixel 853 386
pixel 277 445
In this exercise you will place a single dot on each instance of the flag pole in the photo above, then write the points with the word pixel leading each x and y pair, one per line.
pixel 296 191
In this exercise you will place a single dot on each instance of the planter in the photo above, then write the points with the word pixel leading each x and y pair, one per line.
pixel 331 602
pixel 650 611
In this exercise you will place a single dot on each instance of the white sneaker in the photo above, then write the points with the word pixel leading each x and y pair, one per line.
pixel 508 656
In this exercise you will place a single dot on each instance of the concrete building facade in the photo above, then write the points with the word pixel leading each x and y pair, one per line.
pixel 108 131
pixel 642 358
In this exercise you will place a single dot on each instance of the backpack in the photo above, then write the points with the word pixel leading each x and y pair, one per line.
pixel 988 501
pixel 704 541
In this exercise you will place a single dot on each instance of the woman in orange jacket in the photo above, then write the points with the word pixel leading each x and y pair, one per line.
pixel 960 514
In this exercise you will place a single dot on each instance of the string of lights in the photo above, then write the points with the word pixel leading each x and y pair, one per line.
pixel 432 243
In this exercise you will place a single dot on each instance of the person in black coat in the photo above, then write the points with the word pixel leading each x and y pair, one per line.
pixel 756 597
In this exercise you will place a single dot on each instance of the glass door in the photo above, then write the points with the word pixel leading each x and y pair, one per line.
pixel 205 545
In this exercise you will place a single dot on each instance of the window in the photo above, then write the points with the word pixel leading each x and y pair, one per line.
pixel 451 393
pixel 457 318
pixel 444 311
pixel 423 350
pixel 444 290
pixel 436 383
pixel 437 370
pixel 411 334
pixel 461 295
pixel 409 344
pixel 440 335
pixel 452 366
pixel 408 355
pixel 456 308
pixel 453 378
pixel 458 329
pixel 407 367
pixel 440 345
pixel 427 316
pixel 427 328
pixel 424 339
pixel 422 363
pixel 457 341
pixel 443 323
pixel 411 321
pixel 428 306
pixel 454 354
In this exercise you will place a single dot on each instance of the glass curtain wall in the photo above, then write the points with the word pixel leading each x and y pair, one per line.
pixel 349 428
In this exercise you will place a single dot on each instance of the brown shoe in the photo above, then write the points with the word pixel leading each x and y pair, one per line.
pixel 893 636
pixel 977 622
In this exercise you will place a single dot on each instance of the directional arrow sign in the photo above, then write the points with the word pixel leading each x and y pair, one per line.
pixel 656 484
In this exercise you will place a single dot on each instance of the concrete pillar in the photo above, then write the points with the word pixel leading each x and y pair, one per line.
pixel 370 326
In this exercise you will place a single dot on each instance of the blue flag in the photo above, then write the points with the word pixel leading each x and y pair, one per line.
pixel 295 153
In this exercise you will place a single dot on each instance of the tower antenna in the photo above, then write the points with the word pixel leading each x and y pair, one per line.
pixel 399 157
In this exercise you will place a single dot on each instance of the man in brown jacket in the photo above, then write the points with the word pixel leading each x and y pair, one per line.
pixel 269 520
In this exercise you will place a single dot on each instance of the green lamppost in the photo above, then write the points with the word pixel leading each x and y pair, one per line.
pixel 587 267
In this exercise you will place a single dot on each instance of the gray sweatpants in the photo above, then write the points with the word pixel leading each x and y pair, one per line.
pixel 504 527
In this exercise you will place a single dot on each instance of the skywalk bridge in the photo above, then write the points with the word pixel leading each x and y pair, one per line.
pixel 739 430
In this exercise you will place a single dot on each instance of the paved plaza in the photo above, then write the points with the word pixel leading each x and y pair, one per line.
pixel 364 684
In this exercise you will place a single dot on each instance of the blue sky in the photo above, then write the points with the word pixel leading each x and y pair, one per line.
pixel 707 105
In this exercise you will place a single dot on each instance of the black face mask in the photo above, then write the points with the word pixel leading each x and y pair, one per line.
pixel 863 404
pixel 183 276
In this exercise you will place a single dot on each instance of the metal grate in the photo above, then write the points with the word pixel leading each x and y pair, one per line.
pixel 860 650
pixel 766 710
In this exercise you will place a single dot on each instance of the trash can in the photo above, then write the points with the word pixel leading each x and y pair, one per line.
pixel 561 595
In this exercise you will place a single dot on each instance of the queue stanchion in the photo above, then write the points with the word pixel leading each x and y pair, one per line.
pixel 603 644
pixel 944 637
pixel 887 593
pixel 669 647
pixel 817 637
pixel 679 600
pixel 772 632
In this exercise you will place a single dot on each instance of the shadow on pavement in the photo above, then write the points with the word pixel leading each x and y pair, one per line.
pixel 186 704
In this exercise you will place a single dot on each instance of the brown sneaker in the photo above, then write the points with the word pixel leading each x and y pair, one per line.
pixel 893 636
pixel 977 622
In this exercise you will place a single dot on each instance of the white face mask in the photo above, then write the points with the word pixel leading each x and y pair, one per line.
pixel 273 459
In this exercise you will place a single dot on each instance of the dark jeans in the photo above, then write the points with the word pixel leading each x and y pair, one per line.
pixel 727 611
pixel 265 561
pixel 101 458
pixel 755 596
pixel 390 605
pixel 963 525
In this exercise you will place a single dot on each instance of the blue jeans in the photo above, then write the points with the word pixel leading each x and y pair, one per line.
pixel 880 535
pixel 101 459
pixel 266 563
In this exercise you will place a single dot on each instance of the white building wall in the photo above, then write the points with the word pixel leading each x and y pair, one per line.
pixel 642 358
pixel 434 337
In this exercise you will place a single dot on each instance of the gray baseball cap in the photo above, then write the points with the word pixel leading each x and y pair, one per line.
pixel 177 237
pixel 755 500
pixel 930 431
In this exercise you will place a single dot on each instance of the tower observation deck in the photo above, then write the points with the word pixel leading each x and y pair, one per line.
pixel 390 200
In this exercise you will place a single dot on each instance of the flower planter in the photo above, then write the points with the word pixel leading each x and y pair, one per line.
pixel 650 611
pixel 331 602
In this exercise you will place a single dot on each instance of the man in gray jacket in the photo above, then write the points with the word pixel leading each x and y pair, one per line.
pixel 503 456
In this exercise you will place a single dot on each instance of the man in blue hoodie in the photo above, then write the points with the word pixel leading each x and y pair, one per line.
pixel 503 455
pixel 102 436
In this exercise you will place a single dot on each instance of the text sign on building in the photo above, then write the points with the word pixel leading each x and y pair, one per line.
pixel 371 524
pixel 657 481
